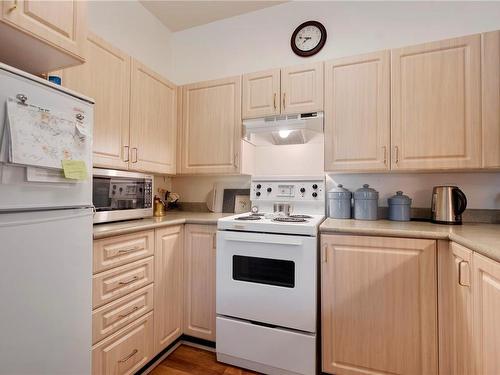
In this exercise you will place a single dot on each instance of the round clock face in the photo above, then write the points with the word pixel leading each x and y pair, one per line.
pixel 308 38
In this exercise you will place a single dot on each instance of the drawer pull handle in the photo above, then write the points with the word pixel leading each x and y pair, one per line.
pixel 129 313
pixel 128 250
pixel 129 281
pixel 134 352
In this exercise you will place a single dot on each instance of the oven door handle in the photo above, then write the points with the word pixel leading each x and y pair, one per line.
pixel 278 241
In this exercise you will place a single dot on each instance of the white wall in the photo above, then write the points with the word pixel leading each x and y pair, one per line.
pixel 261 39
pixel 133 29
pixel 196 188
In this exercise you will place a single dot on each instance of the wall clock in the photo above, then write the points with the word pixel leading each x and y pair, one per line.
pixel 308 38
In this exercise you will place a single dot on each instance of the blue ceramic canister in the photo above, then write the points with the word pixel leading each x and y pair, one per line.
pixel 399 207
pixel 339 203
pixel 366 203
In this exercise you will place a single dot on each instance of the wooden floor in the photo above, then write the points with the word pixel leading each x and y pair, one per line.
pixel 188 360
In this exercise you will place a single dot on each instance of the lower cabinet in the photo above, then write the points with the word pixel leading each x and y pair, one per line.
pixel 199 278
pixel 126 351
pixel 169 291
pixel 378 305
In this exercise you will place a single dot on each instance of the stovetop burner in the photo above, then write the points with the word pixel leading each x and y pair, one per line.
pixel 250 217
pixel 301 216
pixel 290 219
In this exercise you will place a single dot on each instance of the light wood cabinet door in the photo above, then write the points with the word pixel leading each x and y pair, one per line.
pixel 126 351
pixel 486 301
pixel 357 113
pixel 491 99
pixel 436 105
pixel 105 77
pixel 379 305
pixel 61 24
pixel 199 275
pixel 455 309
pixel 153 128
pixel 169 288
pixel 261 94
pixel 211 127
pixel 302 88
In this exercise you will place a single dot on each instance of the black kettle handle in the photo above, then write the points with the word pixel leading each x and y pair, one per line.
pixel 462 201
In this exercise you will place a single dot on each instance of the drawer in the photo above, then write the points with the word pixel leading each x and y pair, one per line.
pixel 118 250
pixel 117 314
pixel 126 351
pixel 117 282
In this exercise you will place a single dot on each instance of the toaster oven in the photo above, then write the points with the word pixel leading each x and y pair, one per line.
pixel 121 195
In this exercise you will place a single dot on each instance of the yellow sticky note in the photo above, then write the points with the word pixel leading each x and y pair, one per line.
pixel 75 169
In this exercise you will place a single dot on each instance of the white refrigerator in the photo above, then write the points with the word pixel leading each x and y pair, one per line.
pixel 45 246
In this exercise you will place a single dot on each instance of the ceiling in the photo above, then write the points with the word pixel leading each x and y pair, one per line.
pixel 181 15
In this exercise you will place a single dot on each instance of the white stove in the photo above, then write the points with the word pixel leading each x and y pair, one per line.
pixel 267 278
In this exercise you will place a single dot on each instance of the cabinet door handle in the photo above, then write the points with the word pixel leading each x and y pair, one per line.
pixel 237 160
pixel 284 100
pixel 134 152
pixel 129 249
pixel 385 155
pixel 274 100
pixel 325 253
pixel 13 6
pixel 396 154
pixel 134 352
pixel 214 241
pixel 463 273
pixel 129 313
pixel 126 154
pixel 128 281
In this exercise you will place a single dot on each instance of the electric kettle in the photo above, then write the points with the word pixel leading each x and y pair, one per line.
pixel 448 203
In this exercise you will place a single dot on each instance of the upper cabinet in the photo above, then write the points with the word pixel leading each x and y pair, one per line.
pixel 261 94
pixel 491 99
pixel 40 36
pixel 302 88
pixel 211 127
pixel 436 105
pixel 357 113
pixel 152 121
pixel 105 76
pixel 293 90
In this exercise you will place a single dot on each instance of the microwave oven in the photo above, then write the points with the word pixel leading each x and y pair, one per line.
pixel 121 195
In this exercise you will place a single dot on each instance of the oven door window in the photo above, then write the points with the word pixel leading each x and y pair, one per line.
pixel 264 271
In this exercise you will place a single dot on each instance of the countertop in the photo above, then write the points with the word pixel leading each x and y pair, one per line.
pixel 482 238
pixel 171 218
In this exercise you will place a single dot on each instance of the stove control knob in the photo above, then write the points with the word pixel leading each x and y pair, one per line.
pixel 269 190
pixel 315 186
pixel 302 190
pixel 315 194
pixel 257 193
pixel 258 186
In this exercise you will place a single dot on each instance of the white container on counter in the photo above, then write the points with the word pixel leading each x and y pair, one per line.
pixel 366 203
pixel 339 203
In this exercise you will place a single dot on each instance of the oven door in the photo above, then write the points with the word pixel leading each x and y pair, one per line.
pixel 268 278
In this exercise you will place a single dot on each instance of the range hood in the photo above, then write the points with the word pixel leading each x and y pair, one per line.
pixel 283 130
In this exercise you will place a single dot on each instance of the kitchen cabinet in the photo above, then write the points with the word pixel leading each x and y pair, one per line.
pixel 153 128
pixel 261 94
pixel 126 351
pixel 436 105
pixel 292 90
pixel 455 309
pixel 105 77
pixel 302 88
pixel 357 113
pixel 378 305
pixel 169 288
pixel 491 99
pixel 40 36
pixel 211 127
pixel 486 310
pixel 199 276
